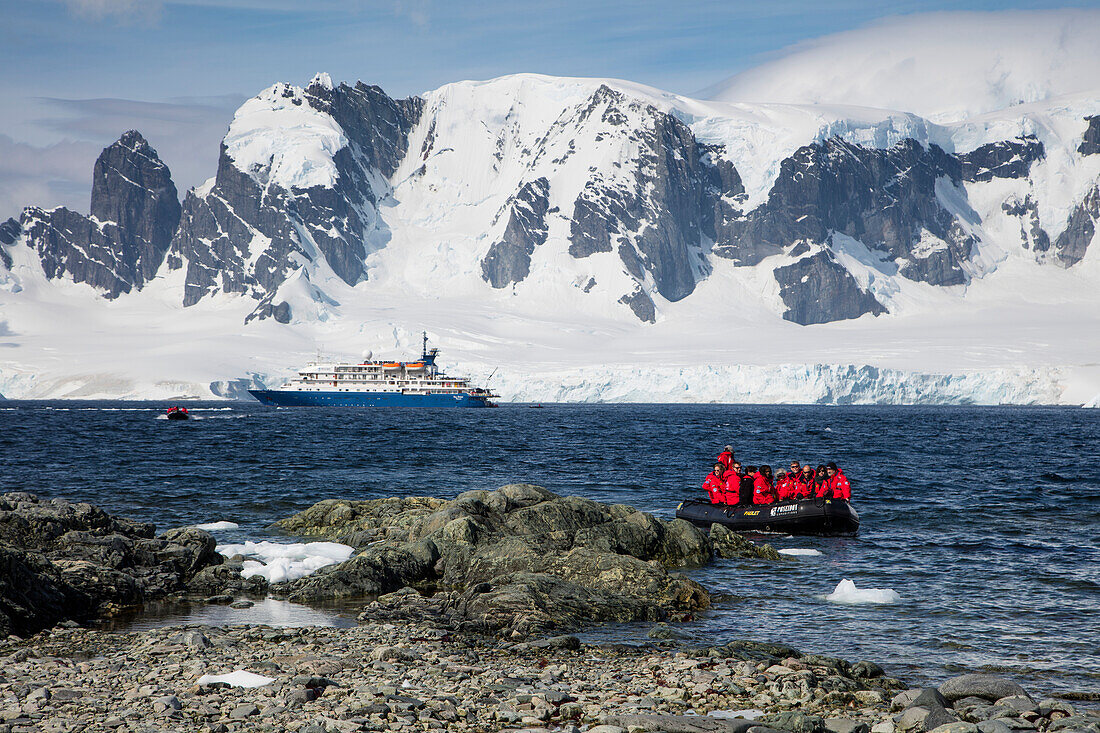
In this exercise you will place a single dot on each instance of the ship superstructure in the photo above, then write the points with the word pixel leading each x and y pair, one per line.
pixel 373 383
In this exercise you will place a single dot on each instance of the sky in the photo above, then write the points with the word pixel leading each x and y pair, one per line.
pixel 75 74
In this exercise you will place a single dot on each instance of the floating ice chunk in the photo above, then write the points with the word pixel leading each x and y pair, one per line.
pixel 215 526
pixel 279 562
pixel 746 714
pixel 846 592
pixel 799 551
pixel 240 678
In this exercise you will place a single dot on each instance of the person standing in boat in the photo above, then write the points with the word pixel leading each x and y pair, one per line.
pixel 726 456
pixel 837 485
pixel 715 484
pixel 763 488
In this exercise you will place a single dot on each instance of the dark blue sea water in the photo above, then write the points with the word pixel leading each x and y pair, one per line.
pixel 984 520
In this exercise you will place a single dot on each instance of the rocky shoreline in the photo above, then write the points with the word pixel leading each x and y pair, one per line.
pixel 464 607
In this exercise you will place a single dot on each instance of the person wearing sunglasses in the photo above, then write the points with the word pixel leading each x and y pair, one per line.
pixel 715 484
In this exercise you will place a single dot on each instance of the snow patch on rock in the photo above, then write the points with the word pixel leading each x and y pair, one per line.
pixel 278 139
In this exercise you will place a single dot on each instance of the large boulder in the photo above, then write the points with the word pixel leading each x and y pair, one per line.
pixel 70 560
pixel 33 593
pixel 729 544
pixel 360 522
pixel 541 561
pixel 986 686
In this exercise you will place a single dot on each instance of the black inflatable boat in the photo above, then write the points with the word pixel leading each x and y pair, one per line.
pixel 808 516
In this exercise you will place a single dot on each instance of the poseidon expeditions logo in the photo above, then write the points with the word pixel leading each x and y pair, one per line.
pixel 781 510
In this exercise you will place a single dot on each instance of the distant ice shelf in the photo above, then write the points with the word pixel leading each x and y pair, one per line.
pixel 828 384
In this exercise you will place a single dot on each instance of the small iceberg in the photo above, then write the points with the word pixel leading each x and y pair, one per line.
pixel 240 678
pixel 847 593
pixel 799 551
pixel 278 562
pixel 217 526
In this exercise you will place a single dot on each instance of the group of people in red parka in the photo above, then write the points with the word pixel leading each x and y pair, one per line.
pixel 731 483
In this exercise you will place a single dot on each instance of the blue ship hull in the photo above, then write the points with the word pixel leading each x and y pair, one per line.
pixel 281 398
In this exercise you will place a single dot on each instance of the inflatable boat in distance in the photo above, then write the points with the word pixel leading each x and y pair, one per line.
pixel 824 517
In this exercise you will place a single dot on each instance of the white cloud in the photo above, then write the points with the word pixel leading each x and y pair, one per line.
pixel 415 11
pixel 185 133
pixel 127 11
pixel 944 66
pixel 51 175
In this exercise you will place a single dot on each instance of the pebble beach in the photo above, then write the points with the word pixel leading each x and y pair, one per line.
pixel 396 677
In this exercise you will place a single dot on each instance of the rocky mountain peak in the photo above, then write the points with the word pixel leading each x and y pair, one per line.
pixel 299 179
pixel 121 244
pixel 132 190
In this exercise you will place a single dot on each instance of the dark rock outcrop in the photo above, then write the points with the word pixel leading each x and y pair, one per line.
pixel 642 305
pixel 657 213
pixel 339 223
pixel 62 560
pixel 134 212
pixel 817 289
pixel 509 260
pixel 1090 144
pixel 9 232
pixel 1073 242
pixel 886 199
pixel 1003 159
pixel 510 561
pixel 1032 234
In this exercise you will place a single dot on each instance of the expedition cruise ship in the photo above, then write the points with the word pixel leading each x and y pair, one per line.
pixel 377 384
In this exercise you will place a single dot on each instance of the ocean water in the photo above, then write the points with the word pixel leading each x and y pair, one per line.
pixel 984 521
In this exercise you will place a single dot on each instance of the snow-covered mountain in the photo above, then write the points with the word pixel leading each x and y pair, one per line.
pixel 633 243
